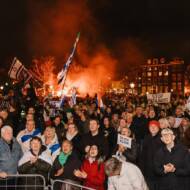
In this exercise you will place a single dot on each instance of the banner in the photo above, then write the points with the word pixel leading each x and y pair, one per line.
pixel 159 98
pixel 123 140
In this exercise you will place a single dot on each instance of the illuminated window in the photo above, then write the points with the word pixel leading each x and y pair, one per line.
pixel 166 73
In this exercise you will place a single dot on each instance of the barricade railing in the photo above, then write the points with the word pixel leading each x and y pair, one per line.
pixel 68 185
pixel 23 182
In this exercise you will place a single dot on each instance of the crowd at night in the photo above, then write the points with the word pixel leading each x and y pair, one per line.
pixel 79 142
pixel 94 95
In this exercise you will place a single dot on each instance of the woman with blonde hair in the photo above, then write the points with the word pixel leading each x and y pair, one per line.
pixel 50 141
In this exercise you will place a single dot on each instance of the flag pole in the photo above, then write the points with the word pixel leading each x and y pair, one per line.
pixel 67 64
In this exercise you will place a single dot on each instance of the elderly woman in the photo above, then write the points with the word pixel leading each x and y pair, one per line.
pixel 50 140
pixel 92 170
pixel 124 176
pixel 73 135
pixel 65 164
pixel 171 163
pixel 124 153
pixel 164 123
pixel 35 161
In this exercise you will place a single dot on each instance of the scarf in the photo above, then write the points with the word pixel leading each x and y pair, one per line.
pixel 63 158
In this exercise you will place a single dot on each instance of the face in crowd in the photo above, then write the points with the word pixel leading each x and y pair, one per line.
pixel 178 111
pixel 57 121
pixel 122 123
pixel 49 132
pixel 4 114
pixel 30 125
pixel 93 152
pixel 139 110
pixel 67 147
pixel 7 133
pixel 35 145
pixel 164 123
pixel 93 126
pixel 31 110
pixel 71 129
pixel 126 132
pixel 167 136
pixel 106 121
pixel 29 116
pixel 154 129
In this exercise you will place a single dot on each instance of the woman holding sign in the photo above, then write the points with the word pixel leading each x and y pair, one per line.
pixel 127 148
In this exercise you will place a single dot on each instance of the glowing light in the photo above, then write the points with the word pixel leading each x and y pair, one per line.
pixel 2 87
pixel 132 85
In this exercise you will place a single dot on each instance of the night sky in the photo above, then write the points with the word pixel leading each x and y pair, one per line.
pixel 160 27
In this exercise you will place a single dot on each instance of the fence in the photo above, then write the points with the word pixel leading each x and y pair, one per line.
pixel 68 185
pixel 23 182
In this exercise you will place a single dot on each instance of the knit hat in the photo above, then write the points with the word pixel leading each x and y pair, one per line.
pixel 154 122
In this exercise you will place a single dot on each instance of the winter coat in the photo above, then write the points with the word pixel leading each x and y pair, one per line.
pixel 53 148
pixel 111 135
pixel 139 127
pixel 9 158
pixel 151 145
pixel 130 178
pixel 41 167
pixel 99 140
pixel 72 163
pixel 76 140
pixel 95 174
pixel 24 138
pixel 179 158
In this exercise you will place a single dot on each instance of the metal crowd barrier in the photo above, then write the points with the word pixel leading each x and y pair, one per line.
pixel 23 182
pixel 67 185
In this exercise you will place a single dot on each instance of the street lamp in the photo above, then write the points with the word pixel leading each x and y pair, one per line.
pixel 132 86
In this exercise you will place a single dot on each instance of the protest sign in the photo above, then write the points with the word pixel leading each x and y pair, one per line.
pixel 125 141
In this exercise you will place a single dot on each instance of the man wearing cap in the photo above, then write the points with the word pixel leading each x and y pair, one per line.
pixel 152 143
pixel 171 163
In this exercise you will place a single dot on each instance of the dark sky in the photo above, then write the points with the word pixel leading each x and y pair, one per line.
pixel 163 26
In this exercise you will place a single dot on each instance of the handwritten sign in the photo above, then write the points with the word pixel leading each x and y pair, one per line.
pixel 125 141
pixel 159 98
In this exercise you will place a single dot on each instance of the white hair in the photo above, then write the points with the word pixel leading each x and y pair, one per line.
pixel 4 128
pixel 167 131
pixel 165 122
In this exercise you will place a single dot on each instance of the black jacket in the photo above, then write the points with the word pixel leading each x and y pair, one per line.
pixel 40 167
pixel 151 145
pixel 72 163
pixel 179 157
pixel 139 127
pixel 99 140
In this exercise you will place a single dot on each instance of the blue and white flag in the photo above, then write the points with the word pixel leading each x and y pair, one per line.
pixel 61 77
pixel 19 72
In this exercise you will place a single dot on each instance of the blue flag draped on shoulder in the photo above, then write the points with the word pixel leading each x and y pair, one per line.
pixel 63 73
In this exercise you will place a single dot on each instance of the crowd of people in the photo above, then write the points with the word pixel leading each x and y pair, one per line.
pixel 79 143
